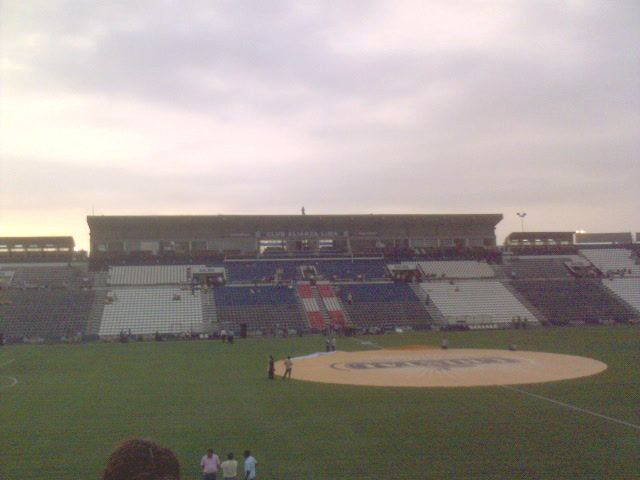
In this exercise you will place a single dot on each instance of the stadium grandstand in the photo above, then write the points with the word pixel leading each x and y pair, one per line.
pixel 37 249
pixel 196 276
pixel 46 291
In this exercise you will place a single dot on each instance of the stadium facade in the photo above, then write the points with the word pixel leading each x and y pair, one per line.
pixel 289 233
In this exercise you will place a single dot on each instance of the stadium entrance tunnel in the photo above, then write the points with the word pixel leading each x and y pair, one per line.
pixel 429 367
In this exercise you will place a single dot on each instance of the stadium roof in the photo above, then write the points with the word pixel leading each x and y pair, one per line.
pixel 249 224
pixel 622 237
pixel 490 218
pixel 273 221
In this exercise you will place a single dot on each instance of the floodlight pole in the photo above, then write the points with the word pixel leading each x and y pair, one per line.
pixel 522 215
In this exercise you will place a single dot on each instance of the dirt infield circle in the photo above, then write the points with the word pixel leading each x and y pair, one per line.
pixel 440 368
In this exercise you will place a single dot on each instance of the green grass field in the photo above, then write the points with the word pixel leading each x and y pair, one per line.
pixel 74 403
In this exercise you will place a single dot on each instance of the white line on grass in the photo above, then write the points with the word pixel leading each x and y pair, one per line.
pixel 13 381
pixel 8 362
pixel 573 407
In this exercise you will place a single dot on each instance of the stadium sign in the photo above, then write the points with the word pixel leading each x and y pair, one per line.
pixel 300 234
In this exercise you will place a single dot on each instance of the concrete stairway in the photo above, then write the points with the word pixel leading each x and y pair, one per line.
pixel 210 322
pixel 429 306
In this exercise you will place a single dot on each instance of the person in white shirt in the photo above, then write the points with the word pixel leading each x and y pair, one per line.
pixel 249 466
pixel 288 365
pixel 210 464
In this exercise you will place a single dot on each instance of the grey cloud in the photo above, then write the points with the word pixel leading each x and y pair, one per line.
pixel 547 112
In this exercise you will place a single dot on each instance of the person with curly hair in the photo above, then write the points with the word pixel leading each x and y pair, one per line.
pixel 139 459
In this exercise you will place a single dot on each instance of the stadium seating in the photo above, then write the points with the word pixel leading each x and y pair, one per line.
pixel 384 305
pixel 146 311
pixel 48 276
pixel 265 270
pixel 476 302
pixel 263 308
pixel 49 301
pixel 150 275
pixel 262 270
pixel 6 277
pixel 42 313
pixel 628 289
pixel 332 305
pixel 311 307
pixel 612 260
pixel 573 301
pixel 352 270
pixel 455 269
pixel 456 253
pixel 535 268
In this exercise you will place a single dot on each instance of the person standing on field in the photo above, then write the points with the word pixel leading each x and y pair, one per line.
pixel 272 367
pixel 230 468
pixel 210 464
pixel 288 365
pixel 249 466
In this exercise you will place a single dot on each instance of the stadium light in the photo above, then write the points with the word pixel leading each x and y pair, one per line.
pixel 521 215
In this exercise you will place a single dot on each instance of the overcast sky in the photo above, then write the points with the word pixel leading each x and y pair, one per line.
pixel 201 107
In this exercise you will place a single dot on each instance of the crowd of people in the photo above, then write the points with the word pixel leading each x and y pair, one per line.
pixel 146 460
pixel 211 465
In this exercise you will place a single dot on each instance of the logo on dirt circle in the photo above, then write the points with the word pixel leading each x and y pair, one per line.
pixel 443 364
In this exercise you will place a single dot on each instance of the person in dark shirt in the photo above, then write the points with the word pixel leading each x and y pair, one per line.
pixel 272 367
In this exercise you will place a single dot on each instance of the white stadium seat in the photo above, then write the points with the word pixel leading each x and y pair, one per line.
pixel 145 311
pixel 628 289
pixel 476 302
pixel 150 275
pixel 456 269
pixel 612 259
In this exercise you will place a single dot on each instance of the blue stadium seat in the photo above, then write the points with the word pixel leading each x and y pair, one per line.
pixel 574 301
pixel 385 305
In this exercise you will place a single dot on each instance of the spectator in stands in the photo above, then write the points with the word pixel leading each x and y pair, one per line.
pixel 210 464
pixel 272 368
pixel 288 366
pixel 249 466
pixel 230 468
pixel 142 460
